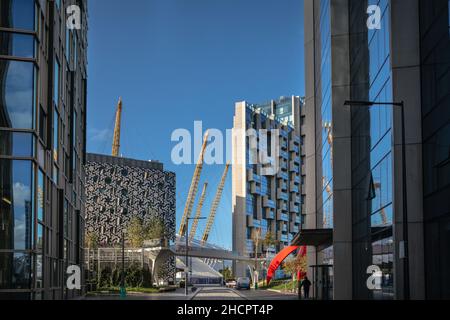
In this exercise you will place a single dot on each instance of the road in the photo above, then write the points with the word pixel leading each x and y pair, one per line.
pixel 216 293
pixel 175 295
pixel 205 293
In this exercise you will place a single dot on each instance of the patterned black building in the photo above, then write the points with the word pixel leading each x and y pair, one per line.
pixel 118 189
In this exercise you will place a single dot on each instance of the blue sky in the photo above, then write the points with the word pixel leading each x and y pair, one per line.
pixel 178 61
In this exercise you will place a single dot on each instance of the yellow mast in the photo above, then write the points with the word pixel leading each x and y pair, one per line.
pixel 116 139
pixel 215 205
pixel 198 213
pixel 193 189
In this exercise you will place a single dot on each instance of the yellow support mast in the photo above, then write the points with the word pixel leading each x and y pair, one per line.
pixel 215 205
pixel 116 139
pixel 198 213
pixel 193 189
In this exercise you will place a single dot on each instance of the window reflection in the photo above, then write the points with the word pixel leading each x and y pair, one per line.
pixel 40 196
pixel 18 14
pixel 18 144
pixel 16 94
pixel 15 44
pixel 16 205
pixel 16 271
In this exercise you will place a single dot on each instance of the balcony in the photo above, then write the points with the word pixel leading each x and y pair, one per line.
pixel 284 228
pixel 269 214
pixel 282 216
pixel 298 220
pixel 284 155
pixel 297 140
pixel 283 175
pixel 250 221
pixel 282 195
pixel 255 189
pixel 268 203
pixel 294 147
pixel 296 200
pixel 293 167
pixel 293 208
pixel 284 206
pixel 294 228
pixel 253 177
pixel 284 133
pixel 296 160
pixel 284 144
pixel 296 179
pixel 294 188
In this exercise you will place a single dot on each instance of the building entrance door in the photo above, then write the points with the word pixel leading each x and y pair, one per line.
pixel 323 282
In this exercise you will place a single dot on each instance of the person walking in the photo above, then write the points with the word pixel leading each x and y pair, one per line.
pixel 306 284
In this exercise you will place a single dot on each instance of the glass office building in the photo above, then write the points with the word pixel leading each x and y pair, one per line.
pixel 372 208
pixel 42 146
pixel 435 86
pixel 359 195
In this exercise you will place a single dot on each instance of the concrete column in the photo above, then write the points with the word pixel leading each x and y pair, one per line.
pixel 342 188
pixel 239 175
pixel 310 132
pixel 405 59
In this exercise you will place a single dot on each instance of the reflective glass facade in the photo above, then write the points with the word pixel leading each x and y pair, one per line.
pixel 32 203
pixel 371 150
pixel 326 136
pixel 435 59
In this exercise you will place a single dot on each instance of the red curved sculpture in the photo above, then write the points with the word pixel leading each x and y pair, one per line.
pixel 280 257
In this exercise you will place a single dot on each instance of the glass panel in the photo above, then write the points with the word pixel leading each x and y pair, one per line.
pixel 18 14
pixel 41 196
pixel 16 204
pixel 18 144
pixel 40 238
pixel 55 135
pixel 39 274
pixel 66 219
pixel 16 271
pixel 15 44
pixel 16 94
pixel 56 82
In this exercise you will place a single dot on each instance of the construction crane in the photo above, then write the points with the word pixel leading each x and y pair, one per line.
pixel 116 139
pixel 383 215
pixel 198 213
pixel 215 204
pixel 330 193
pixel 328 126
pixel 193 189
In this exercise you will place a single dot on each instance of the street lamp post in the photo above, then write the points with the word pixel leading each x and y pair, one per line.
pixel 123 292
pixel 186 235
pixel 401 105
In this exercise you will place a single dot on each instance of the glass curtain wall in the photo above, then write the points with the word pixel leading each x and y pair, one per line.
pixel 371 150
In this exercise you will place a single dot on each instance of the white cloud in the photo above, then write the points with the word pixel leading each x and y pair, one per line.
pixel 99 135
pixel 21 194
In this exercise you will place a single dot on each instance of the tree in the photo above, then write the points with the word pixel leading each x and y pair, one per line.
pixel 91 240
pixel 136 232
pixel 226 273
pixel 269 240
pixel 293 266
pixel 155 229
pixel 256 237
